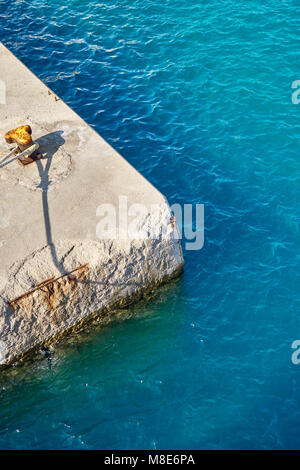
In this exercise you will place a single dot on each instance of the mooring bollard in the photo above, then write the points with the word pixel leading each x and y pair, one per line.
pixel 26 148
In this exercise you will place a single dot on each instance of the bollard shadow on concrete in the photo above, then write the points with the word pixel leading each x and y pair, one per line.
pixel 49 145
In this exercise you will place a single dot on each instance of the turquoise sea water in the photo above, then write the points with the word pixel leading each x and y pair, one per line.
pixel 197 96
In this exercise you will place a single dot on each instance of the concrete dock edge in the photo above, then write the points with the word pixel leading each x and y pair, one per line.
pixel 59 266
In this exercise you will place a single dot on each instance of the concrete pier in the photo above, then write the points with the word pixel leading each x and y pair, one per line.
pixel 58 265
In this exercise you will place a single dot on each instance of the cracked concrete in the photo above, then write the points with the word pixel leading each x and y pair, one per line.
pixel 52 149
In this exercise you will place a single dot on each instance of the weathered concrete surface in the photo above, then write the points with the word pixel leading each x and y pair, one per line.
pixel 48 222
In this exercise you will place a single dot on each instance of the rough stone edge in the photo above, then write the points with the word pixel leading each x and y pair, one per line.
pixel 85 322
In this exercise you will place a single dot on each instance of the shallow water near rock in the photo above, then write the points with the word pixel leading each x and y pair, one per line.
pixel 197 96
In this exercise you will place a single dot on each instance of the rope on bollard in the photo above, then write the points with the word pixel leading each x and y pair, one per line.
pixel 26 153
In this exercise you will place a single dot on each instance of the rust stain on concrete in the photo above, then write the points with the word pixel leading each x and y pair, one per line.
pixel 53 291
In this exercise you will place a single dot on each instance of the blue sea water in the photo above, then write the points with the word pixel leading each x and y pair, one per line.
pixel 197 96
